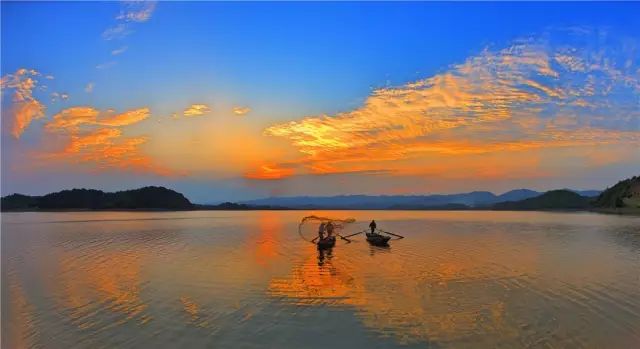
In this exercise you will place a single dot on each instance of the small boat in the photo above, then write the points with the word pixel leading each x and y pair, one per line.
pixel 327 242
pixel 378 239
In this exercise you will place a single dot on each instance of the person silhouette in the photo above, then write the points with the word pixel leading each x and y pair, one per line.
pixel 321 231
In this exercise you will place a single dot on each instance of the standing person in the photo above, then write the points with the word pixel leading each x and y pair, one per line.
pixel 321 231
pixel 329 229
pixel 373 226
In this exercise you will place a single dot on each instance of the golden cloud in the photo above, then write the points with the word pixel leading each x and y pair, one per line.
pixel 519 99
pixel 25 107
pixel 95 137
pixel 124 119
pixel 270 172
pixel 240 110
pixel 75 116
pixel 196 110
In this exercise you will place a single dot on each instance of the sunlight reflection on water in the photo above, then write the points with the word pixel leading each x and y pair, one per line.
pixel 246 279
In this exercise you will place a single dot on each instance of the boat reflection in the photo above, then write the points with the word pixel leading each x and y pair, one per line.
pixel 373 249
pixel 381 287
pixel 324 253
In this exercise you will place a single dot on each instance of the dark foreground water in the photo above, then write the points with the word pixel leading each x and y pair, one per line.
pixel 247 280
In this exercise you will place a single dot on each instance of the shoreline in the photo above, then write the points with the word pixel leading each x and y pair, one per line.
pixel 625 211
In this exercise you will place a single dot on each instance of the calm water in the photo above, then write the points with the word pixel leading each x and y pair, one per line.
pixel 247 280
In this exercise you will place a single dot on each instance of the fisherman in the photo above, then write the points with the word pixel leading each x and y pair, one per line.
pixel 373 226
pixel 329 229
pixel 321 231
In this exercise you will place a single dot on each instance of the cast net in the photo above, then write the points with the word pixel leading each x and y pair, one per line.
pixel 309 225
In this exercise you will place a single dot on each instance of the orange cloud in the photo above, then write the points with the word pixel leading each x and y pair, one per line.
pixel 124 119
pixel 270 172
pixel 516 101
pixel 25 107
pixel 75 116
pixel 92 139
pixel 105 147
pixel 196 110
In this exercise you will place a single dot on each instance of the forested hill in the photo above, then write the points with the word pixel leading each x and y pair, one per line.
pixel 625 193
pixel 551 200
pixel 91 199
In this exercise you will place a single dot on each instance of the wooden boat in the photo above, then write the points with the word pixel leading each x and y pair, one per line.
pixel 327 242
pixel 378 239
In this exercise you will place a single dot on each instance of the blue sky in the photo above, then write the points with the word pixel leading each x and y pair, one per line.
pixel 283 61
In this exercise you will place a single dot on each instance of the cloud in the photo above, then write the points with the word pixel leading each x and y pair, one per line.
pixel 131 12
pixel 123 119
pixel 118 31
pixel 533 95
pixel 74 117
pixel 55 96
pixel 137 11
pixel 119 51
pixel 271 171
pixel 240 110
pixel 25 107
pixel 89 87
pixel 96 138
pixel 196 110
pixel 106 65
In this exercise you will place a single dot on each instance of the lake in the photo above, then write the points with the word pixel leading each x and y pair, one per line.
pixel 471 279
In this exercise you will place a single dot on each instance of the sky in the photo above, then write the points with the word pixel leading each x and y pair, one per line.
pixel 233 101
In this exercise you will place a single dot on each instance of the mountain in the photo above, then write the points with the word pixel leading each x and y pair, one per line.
pixel 588 193
pixel 375 202
pixel 554 199
pixel 19 202
pixel 91 199
pixel 232 206
pixel 437 201
pixel 625 193
pixel 517 194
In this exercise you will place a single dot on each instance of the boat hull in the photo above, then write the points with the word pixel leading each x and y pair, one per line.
pixel 377 239
pixel 327 242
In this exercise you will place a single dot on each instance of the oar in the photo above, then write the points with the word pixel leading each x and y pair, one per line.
pixel 360 232
pixel 386 232
pixel 344 238
pixel 314 239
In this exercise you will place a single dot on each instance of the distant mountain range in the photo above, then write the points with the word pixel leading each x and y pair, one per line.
pixel 476 199
pixel 623 197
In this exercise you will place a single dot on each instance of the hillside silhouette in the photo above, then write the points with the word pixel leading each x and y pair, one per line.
pixel 91 199
pixel 552 200
pixel 624 194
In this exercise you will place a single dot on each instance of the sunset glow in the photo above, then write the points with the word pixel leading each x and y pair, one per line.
pixel 183 95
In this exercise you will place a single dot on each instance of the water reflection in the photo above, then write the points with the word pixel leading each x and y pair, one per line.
pixel 324 253
pixel 373 249
pixel 502 281
pixel 482 289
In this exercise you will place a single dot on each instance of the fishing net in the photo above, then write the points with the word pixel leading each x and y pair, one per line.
pixel 308 227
